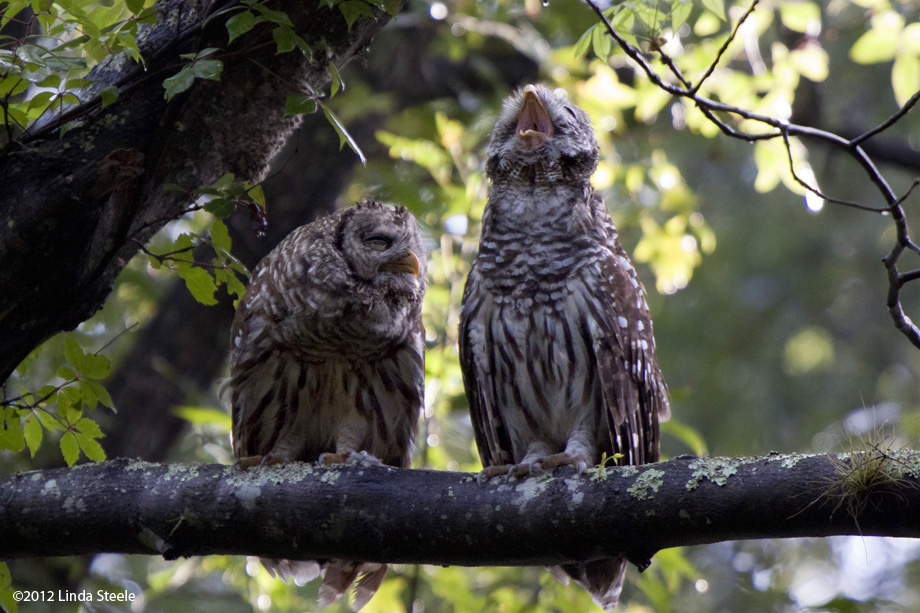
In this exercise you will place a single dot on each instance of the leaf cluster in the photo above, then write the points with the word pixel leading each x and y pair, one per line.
pixel 41 72
pixel 60 408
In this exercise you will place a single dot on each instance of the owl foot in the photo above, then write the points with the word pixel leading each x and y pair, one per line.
pixel 248 462
pixel 332 458
pixel 516 471
pixel 259 460
pixel 563 459
pixel 354 457
pixel 490 472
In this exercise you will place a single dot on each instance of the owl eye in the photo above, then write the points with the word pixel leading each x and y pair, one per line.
pixel 571 112
pixel 378 242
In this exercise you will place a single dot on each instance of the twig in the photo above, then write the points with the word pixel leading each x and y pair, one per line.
pixel 724 47
pixel 783 129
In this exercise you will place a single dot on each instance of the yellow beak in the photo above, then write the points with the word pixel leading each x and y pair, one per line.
pixel 407 262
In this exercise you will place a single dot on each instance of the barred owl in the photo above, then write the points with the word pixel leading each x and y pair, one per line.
pixel 327 359
pixel 556 343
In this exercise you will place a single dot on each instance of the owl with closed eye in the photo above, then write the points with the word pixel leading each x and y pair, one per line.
pixel 556 343
pixel 327 359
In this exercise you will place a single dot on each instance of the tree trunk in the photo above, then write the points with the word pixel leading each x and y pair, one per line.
pixel 77 206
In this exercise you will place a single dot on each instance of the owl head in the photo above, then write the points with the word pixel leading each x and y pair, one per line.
pixel 383 250
pixel 541 135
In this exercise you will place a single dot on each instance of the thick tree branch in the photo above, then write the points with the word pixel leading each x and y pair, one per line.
pixel 419 516
pixel 76 205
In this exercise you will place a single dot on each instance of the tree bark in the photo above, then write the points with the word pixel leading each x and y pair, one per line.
pixel 77 206
pixel 383 514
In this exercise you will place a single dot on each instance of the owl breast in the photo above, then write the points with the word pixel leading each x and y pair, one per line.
pixel 320 401
pixel 539 365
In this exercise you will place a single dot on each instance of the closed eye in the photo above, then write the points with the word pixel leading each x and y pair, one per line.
pixel 571 112
pixel 378 242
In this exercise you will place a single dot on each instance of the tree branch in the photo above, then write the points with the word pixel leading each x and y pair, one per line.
pixel 785 129
pixel 385 514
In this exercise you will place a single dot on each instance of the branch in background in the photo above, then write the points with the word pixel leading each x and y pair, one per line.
pixel 384 514
pixel 783 129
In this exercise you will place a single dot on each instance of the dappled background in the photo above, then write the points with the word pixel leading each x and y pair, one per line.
pixel 769 307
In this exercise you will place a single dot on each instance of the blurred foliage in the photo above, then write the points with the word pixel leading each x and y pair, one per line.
pixel 769 310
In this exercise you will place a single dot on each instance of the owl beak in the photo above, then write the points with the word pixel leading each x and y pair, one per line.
pixel 534 124
pixel 407 262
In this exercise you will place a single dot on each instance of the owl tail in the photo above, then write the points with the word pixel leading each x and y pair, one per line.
pixel 298 571
pixel 338 576
pixel 602 578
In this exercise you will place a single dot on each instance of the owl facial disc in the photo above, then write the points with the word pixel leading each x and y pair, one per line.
pixel 407 262
pixel 534 125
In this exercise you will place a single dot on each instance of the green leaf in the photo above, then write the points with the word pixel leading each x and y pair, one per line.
pixel 680 11
pixel 65 373
pixel 7 602
pixel 905 77
pixel 96 366
pixel 88 427
pixel 353 9
pixel 337 82
pixel 880 43
pixel 99 391
pixel 798 16
pixel 909 40
pixel 240 23
pixel 70 404
pixel 109 95
pixel 391 7
pixel 717 7
pixel 70 448
pixel 873 47
pixel 225 181
pixel 299 103
pixel 32 430
pixel 91 448
pixel 344 136
pixel 584 43
pixel 288 40
pixel 199 283
pixel 11 431
pixel 73 353
pixel 204 415
pixel 691 437
pixel 179 82
pixel 220 207
pixel 89 396
pixel 208 69
pixel 279 17
pixel 220 237
pixel 48 421
pixel 135 6
pixel 601 43
pixel 257 195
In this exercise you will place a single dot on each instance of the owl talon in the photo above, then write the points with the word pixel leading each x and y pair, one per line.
pixel 363 457
pixel 332 458
pixel 564 459
pixel 248 462
pixel 273 458
pixel 524 470
pixel 490 472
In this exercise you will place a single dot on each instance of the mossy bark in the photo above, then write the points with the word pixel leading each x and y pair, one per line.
pixel 417 516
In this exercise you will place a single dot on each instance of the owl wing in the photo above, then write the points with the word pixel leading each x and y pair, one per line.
pixel 488 427
pixel 262 376
pixel 635 394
